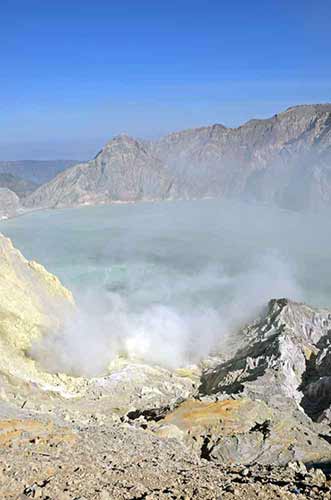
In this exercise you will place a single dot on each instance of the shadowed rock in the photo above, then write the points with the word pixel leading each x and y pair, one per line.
pixel 275 357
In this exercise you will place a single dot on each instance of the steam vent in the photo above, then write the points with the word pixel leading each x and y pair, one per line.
pixel 253 422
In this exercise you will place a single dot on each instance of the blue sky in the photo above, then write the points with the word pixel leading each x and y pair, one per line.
pixel 74 73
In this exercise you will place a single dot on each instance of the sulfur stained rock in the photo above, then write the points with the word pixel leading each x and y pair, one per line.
pixel 244 431
pixel 33 432
pixel 33 304
pixel 225 417
pixel 145 432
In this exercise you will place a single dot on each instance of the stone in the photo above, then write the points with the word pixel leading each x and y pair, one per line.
pixel 9 203
pixel 34 304
pixel 282 160
pixel 124 170
pixel 104 495
pixel 142 430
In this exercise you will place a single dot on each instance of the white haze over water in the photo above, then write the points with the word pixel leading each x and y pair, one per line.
pixel 166 283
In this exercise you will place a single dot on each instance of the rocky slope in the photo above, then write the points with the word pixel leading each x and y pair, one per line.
pixel 123 171
pixel 284 160
pixel 12 189
pixel 33 304
pixel 20 178
pixel 9 203
pixel 252 422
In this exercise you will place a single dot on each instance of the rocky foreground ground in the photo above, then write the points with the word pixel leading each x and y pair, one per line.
pixel 115 461
pixel 252 422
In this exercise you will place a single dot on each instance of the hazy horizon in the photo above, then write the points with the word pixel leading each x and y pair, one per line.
pixel 91 148
pixel 148 68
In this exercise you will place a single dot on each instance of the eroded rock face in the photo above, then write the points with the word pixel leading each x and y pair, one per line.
pixel 257 406
pixel 267 404
pixel 9 203
pixel 123 171
pixel 33 303
pixel 285 160
pixel 275 358
pixel 316 385
pixel 244 431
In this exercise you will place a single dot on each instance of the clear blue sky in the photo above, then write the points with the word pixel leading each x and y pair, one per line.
pixel 75 72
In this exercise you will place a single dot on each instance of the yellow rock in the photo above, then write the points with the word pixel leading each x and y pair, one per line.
pixel 226 417
pixel 33 431
pixel 33 303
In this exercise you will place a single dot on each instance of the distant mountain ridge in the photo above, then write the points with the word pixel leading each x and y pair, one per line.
pixel 284 160
pixel 36 171
pixel 124 170
pixel 20 178
pixel 19 186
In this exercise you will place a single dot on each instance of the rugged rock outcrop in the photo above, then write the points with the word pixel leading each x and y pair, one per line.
pixel 9 203
pixel 258 405
pixel 268 403
pixel 33 303
pixel 245 431
pixel 255 425
pixel 123 171
pixel 283 353
pixel 284 160
pixel 13 188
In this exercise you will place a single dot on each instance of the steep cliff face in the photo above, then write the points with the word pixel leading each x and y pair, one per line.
pixel 284 160
pixel 9 203
pixel 287 351
pixel 258 406
pixel 33 303
pixel 35 309
pixel 123 171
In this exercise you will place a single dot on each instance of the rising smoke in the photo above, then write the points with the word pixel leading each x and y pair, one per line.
pixel 167 284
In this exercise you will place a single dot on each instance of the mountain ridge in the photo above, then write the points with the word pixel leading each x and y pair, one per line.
pixel 283 160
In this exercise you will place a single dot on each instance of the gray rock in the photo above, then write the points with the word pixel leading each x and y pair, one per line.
pixel 123 171
pixel 285 160
pixel 9 203
pixel 275 361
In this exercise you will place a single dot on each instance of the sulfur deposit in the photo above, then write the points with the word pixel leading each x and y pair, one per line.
pixel 33 304
pixel 253 423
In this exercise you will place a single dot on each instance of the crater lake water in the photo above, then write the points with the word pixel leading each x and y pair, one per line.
pixel 166 281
